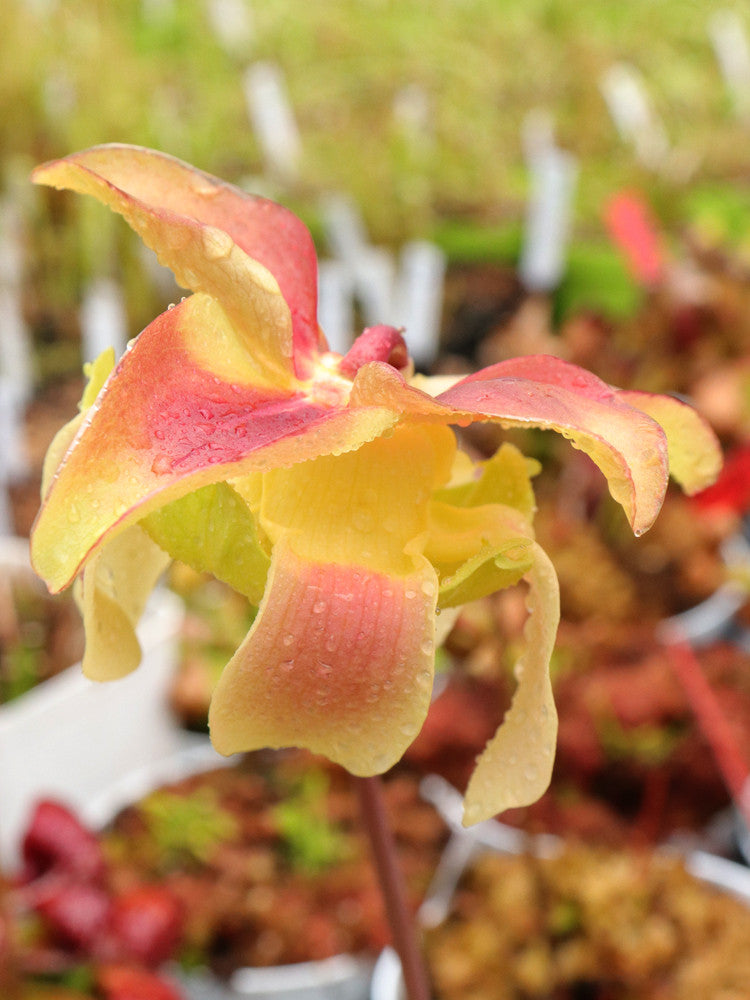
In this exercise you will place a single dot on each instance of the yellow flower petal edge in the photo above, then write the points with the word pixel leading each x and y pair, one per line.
pixel 111 595
pixel 694 453
pixel 515 767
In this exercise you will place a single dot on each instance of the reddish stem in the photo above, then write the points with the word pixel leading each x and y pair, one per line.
pixel 713 723
pixel 390 876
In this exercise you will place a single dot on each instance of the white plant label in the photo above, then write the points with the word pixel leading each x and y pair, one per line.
pixel 273 120
pixel 103 319
pixel 732 49
pixel 634 117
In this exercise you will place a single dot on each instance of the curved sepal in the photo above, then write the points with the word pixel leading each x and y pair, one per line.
pixel 695 456
pixel 515 767
pixel 180 411
pixel 339 660
pixel 254 257
pixel 111 595
pixel 629 447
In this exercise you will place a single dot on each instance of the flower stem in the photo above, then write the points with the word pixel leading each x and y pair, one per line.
pixel 390 876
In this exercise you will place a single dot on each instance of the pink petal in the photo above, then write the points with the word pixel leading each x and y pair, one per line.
pixel 163 198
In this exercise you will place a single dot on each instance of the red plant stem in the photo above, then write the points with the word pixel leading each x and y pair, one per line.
pixel 713 723
pixel 390 876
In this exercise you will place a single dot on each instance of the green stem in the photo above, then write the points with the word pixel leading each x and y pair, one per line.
pixel 390 876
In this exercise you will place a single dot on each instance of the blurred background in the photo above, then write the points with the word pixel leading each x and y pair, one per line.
pixel 417 112
pixel 500 178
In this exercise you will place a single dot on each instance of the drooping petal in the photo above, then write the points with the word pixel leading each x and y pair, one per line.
pixel 339 660
pixel 253 256
pixel 694 452
pixel 515 767
pixel 629 447
pixel 341 654
pixel 111 595
pixel 181 410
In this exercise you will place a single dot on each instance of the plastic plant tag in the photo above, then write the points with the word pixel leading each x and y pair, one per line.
pixel 336 303
pixel 15 346
pixel 732 50
pixel 635 119
pixel 232 24
pixel 419 298
pixel 553 179
pixel 273 120
pixel 103 319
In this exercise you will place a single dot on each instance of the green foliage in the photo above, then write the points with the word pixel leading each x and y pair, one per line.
pixel 312 841
pixel 187 828
pixel 596 280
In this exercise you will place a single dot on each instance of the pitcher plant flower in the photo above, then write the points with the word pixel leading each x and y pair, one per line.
pixel 328 489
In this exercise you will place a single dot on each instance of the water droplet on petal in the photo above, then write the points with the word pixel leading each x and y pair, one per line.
pixel 160 466
pixel 217 244
pixel 74 515
pixel 319 607
pixel 288 640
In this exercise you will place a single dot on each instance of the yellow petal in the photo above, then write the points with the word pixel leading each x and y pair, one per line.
pixel 516 766
pixel 477 550
pixel 340 657
pixel 111 594
pixel 96 372
pixel 694 451
pixel 339 660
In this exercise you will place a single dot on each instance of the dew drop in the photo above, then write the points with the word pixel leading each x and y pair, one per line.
pixel 160 465
pixel 217 244
pixel 159 434
pixel 410 594
pixel 288 640
pixel 74 515
pixel 287 665
pixel 427 647
pixel 319 607
pixel 363 520
pixel 428 588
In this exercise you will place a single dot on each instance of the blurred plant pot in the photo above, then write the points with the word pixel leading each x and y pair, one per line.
pixel 677 899
pixel 277 881
pixel 71 738
pixel 341 977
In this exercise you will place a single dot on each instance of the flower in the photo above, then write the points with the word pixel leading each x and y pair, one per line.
pixel 328 489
